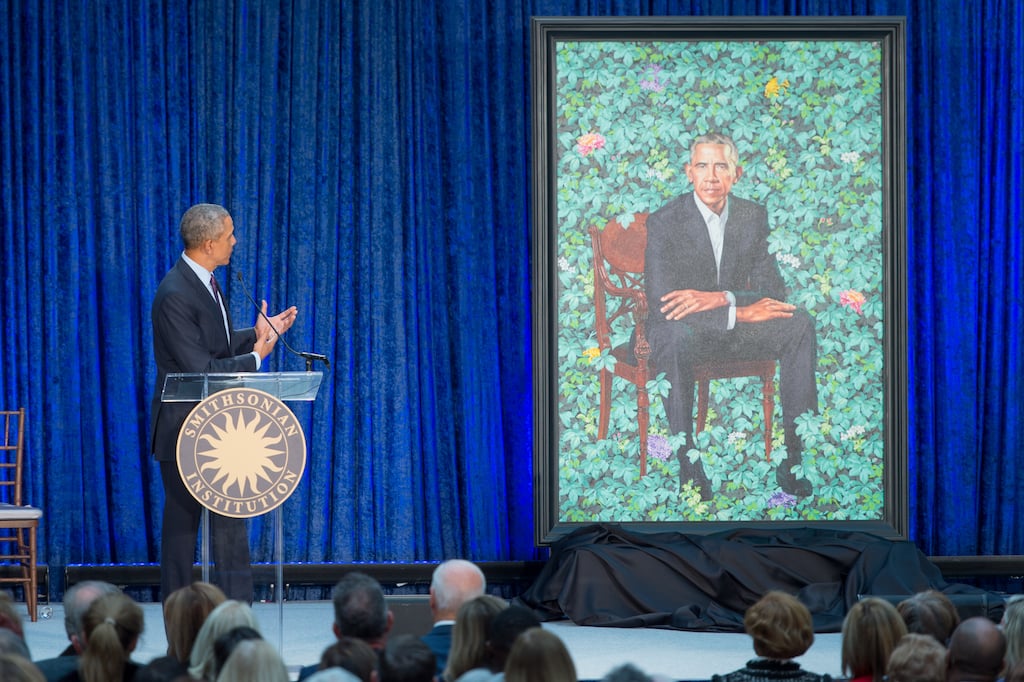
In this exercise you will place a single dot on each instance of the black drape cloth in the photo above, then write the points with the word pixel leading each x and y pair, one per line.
pixel 606 575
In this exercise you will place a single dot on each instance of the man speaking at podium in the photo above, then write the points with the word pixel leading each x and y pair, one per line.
pixel 192 332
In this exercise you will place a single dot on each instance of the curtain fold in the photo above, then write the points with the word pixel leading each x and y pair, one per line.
pixel 375 157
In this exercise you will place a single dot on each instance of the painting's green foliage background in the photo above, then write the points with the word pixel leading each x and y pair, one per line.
pixel 806 117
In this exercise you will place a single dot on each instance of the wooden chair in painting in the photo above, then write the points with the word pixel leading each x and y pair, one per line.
pixel 619 295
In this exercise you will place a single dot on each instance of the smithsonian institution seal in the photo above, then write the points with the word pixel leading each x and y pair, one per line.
pixel 241 452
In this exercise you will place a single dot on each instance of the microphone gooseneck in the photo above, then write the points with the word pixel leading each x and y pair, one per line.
pixel 305 355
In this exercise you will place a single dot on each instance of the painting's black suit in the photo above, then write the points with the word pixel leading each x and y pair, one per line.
pixel 680 256
pixel 189 336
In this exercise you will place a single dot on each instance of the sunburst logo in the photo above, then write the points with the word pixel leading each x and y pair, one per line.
pixel 241 452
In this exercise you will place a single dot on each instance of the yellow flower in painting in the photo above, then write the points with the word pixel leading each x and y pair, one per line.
pixel 589 143
pixel 592 354
pixel 774 88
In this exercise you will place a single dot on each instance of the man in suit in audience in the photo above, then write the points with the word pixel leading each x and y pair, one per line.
pixel 77 600
pixel 714 292
pixel 360 611
pixel 454 582
pixel 977 651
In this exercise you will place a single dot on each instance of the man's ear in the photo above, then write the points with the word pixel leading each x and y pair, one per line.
pixel 688 169
pixel 336 630
pixel 739 173
pixel 391 622
pixel 77 643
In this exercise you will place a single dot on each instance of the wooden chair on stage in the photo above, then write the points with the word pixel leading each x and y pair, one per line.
pixel 619 294
pixel 19 522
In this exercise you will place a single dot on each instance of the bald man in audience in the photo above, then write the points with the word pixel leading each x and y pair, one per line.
pixel 454 583
pixel 976 652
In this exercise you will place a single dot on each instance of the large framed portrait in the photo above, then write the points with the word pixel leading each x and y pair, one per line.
pixel 719 274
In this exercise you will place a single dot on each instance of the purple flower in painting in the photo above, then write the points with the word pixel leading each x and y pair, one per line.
pixel 652 84
pixel 781 499
pixel 658 447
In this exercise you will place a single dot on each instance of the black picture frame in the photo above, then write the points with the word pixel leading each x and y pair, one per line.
pixel 552 34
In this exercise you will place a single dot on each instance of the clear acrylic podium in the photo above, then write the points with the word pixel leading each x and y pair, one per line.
pixel 286 386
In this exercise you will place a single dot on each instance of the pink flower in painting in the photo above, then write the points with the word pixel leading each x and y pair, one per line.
pixel 852 299
pixel 589 143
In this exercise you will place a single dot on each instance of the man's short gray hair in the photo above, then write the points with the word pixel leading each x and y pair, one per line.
pixel 77 600
pixel 202 222
pixel 731 152
pixel 450 588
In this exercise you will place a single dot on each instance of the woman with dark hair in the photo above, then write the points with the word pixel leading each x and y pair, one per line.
pixel 111 627
pixel 782 630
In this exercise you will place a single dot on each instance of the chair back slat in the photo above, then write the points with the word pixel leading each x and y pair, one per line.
pixel 12 454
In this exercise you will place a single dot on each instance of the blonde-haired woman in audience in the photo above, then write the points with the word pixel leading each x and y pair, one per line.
pixel 539 656
pixel 782 629
pixel 1013 630
pixel 17 668
pixel 469 635
pixel 226 617
pixel 871 630
pixel 111 627
pixel 917 658
pixel 253 660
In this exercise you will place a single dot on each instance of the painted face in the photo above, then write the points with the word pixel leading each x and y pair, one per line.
pixel 222 246
pixel 712 174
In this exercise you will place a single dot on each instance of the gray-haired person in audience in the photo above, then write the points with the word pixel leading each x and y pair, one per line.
pixel 1013 629
pixel 453 583
pixel 77 600
pixel 917 658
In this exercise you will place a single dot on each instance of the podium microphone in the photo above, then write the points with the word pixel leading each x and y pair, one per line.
pixel 307 356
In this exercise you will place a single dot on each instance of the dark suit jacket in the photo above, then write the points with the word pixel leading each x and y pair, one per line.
pixel 188 336
pixel 679 256
pixel 439 639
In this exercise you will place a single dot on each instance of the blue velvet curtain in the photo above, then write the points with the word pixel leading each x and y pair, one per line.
pixel 375 157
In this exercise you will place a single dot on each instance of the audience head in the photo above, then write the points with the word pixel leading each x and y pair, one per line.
pixel 17 668
pixel 505 627
pixel 454 582
pixel 352 655
pixel 976 652
pixel 77 600
pixel 780 626
pixel 225 617
pixel 11 643
pixel 185 611
pixel 1013 629
pixel 360 609
pixel 162 669
pixel 871 630
pixel 469 635
pixel 539 656
pixel 930 613
pixel 224 645
pixel 627 672
pixel 1015 672
pixel 407 659
pixel 917 658
pixel 253 660
pixel 332 675
pixel 111 627
pixel 10 619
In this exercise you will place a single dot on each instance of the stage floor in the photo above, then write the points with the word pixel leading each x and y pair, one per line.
pixel 302 630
